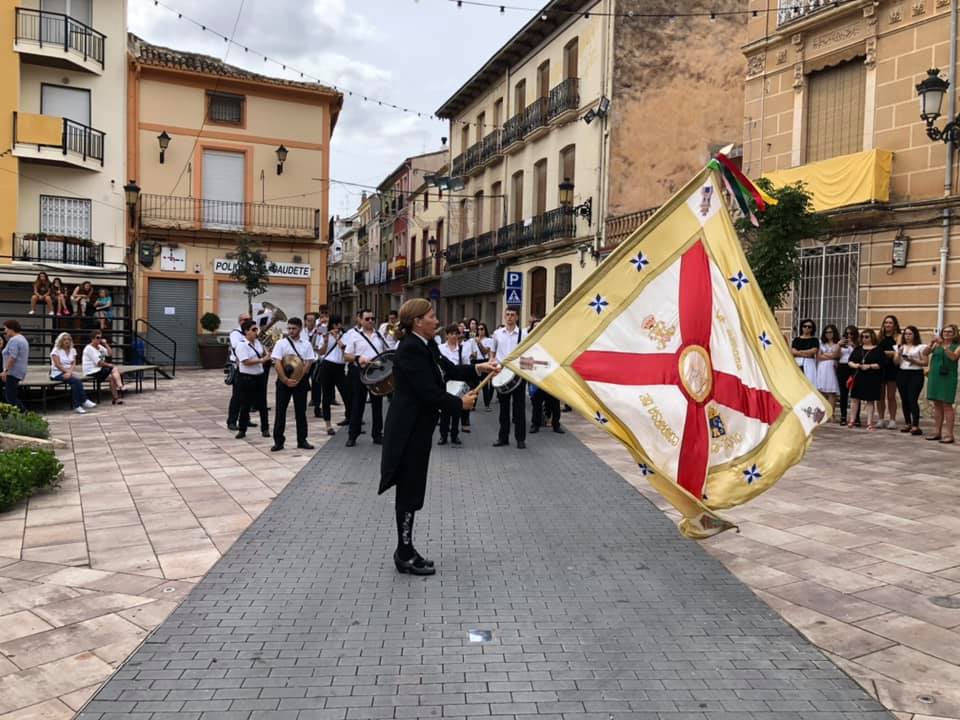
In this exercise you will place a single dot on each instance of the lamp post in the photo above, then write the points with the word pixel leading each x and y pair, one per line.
pixel 584 209
pixel 931 92
pixel 164 141
pixel 131 193
pixel 281 159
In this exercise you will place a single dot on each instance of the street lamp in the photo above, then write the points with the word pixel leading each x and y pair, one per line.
pixel 432 246
pixel 281 159
pixel 164 141
pixel 931 92
pixel 585 209
pixel 131 193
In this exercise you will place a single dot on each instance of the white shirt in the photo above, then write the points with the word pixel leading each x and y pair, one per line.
pixel 315 336
pixel 845 353
pixel 363 345
pixel 246 351
pixel 334 352
pixel 458 355
pixel 287 345
pixel 506 341
pixel 911 351
pixel 91 359
pixel 67 360
pixel 391 342
pixel 236 337
pixel 469 347
pixel 491 346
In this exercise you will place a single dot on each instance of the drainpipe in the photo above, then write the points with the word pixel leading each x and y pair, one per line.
pixel 948 177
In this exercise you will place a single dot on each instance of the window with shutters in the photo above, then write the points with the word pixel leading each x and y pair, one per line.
pixel 496 205
pixel 540 187
pixel 562 281
pixel 478 213
pixel 568 164
pixel 835 109
pixel 571 58
pixel 516 197
pixel 543 79
pixel 225 108
pixel 519 96
pixel 498 112
pixel 65 216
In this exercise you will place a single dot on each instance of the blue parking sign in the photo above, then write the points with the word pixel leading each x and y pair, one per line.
pixel 513 294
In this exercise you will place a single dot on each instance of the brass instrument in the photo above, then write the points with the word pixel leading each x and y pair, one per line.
pixel 269 337
pixel 392 330
pixel 294 367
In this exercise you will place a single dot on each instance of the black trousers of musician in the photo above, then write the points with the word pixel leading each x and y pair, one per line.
pixel 299 396
pixel 233 409
pixel 449 425
pixel 333 379
pixel 540 399
pixel 487 394
pixel 253 397
pixel 358 402
pixel 514 403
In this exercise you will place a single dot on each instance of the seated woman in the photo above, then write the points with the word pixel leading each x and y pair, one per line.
pixel 60 297
pixel 96 365
pixel 103 308
pixel 82 296
pixel 41 293
pixel 63 368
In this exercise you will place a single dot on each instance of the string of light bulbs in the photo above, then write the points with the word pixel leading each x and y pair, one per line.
pixel 287 67
pixel 586 14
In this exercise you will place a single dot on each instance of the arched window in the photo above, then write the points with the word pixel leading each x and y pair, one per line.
pixel 538 292
pixel 562 278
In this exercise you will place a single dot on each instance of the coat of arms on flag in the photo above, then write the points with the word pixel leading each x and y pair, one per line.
pixel 670 347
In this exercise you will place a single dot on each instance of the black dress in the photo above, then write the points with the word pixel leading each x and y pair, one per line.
pixel 868 383
pixel 888 344
pixel 420 374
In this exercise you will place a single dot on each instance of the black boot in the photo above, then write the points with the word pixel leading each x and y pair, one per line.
pixel 406 558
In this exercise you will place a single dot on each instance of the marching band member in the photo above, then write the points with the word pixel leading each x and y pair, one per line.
pixel 486 349
pixel 314 334
pixel 469 350
pixel 332 371
pixel 251 379
pixel 323 321
pixel 362 346
pixel 453 351
pixel 388 330
pixel 292 385
pixel 419 372
pixel 507 339
pixel 236 337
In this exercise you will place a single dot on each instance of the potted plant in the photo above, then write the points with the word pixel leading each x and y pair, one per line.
pixel 213 353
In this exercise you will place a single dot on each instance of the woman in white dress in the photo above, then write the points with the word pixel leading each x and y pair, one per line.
pixel 827 357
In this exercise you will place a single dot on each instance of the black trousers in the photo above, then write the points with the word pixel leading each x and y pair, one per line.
pixel 910 383
pixel 843 373
pixel 515 401
pixel 253 397
pixel 449 425
pixel 332 379
pixel 299 395
pixel 233 409
pixel 358 403
pixel 487 394
pixel 541 398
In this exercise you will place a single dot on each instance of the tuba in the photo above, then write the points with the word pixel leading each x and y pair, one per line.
pixel 268 337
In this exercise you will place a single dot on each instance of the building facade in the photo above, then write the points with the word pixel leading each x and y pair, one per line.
pixel 570 133
pixel 429 213
pixel 221 153
pixel 831 100
pixel 342 264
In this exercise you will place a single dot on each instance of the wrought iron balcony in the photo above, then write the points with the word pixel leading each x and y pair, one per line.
pixel 513 129
pixel 187 213
pixel 468 250
pixel 619 228
pixel 43 248
pixel 564 97
pixel 535 116
pixel 423 269
pixel 490 147
pixel 52 139
pixel 791 10
pixel 456 167
pixel 472 157
pixel 59 37
pixel 452 254
pixel 486 243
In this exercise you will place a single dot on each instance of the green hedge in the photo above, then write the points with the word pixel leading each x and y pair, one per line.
pixel 23 471
pixel 15 422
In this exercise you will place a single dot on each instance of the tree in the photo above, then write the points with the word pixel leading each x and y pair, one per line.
pixel 773 249
pixel 251 269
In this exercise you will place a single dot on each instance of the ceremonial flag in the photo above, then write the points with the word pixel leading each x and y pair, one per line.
pixel 670 347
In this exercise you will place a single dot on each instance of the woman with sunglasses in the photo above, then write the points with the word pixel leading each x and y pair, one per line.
pixel 944 352
pixel 96 364
pixel 805 348
pixel 868 362
pixel 827 358
pixel 848 343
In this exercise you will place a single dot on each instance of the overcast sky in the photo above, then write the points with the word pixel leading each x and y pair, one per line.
pixel 414 53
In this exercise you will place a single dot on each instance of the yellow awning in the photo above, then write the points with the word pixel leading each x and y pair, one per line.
pixel 862 177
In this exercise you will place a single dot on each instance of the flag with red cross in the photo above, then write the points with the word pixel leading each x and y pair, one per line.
pixel 670 347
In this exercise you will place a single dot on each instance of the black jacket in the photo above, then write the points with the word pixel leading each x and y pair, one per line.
pixel 420 374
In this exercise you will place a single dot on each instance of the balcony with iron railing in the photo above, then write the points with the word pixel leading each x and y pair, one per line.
pixel 457 166
pixel 535 117
pixel 485 244
pixel 792 10
pixel 452 254
pixel 56 39
pixel 490 147
pixel 193 214
pixel 56 140
pixel 552 225
pixel 471 159
pixel 423 269
pixel 512 131
pixel 46 248
pixel 564 99
pixel 621 227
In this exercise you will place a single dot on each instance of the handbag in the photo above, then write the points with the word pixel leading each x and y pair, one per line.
pixel 230 374
pixel 851 381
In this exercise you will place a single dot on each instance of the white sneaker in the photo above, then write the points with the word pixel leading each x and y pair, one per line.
pixel 79 410
pixel 31 312
pixel 87 404
pixel 50 313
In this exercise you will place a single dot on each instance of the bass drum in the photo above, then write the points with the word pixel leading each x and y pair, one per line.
pixel 377 376
pixel 506 381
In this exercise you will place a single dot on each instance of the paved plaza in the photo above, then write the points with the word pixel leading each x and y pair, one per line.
pixel 595 605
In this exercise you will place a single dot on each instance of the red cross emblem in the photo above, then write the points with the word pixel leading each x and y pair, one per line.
pixel 690 369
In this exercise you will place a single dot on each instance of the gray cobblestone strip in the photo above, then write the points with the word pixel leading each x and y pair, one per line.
pixel 598 609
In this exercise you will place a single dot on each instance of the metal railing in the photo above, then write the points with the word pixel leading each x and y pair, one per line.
pixel 423 269
pixel 44 28
pixel 468 249
pixel 791 10
pixel 360 277
pixel 75 137
pixel 565 96
pixel 452 254
pixel 456 167
pixel 619 228
pixel 535 116
pixel 472 157
pixel 57 249
pixel 486 243
pixel 490 147
pixel 188 212
pixel 513 129
pixel 170 355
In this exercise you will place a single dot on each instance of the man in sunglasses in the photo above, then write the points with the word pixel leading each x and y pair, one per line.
pixel 361 347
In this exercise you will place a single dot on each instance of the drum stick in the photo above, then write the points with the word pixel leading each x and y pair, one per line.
pixel 487 378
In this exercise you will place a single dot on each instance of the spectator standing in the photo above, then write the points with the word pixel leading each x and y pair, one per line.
pixel 96 365
pixel 868 362
pixel 827 358
pixel 944 352
pixel 889 339
pixel 42 293
pixel 911 360
pixel 16 352
pixel 63 368
pixel 805 348
pixel 848 343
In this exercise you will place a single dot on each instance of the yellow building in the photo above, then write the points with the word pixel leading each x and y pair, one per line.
pixel 831 100
pixel 220 153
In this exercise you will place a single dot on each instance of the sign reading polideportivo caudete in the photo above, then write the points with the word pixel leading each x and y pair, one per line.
pixel 223 266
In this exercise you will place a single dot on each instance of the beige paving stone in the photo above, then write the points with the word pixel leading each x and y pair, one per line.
pixel 169 541
pixel 149 615
pixel 23 689
pixel 188 563
pixel 915 580
pixel 48 710
pixel 827 601
pixel 90 605
pixel 27 570
pixel 912 666
pixel 54 516
pixel 61 642
pixel 78 698
pixel 917 634
pixel 104 519
pixel 116 537
pixel 915 697
pixel 838 557
pixel 757 575
pixel 913 604
pixel 125 583
pixel 909 558
pixel 160 522
pixel 135 559
pixel 171 590
pixel 116 652
pixel 845 581
pixel 67 554
pixel 7 667
pixel 19 624
pixel 75 577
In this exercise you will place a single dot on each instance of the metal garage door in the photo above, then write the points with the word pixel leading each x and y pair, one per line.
pixel 172 310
